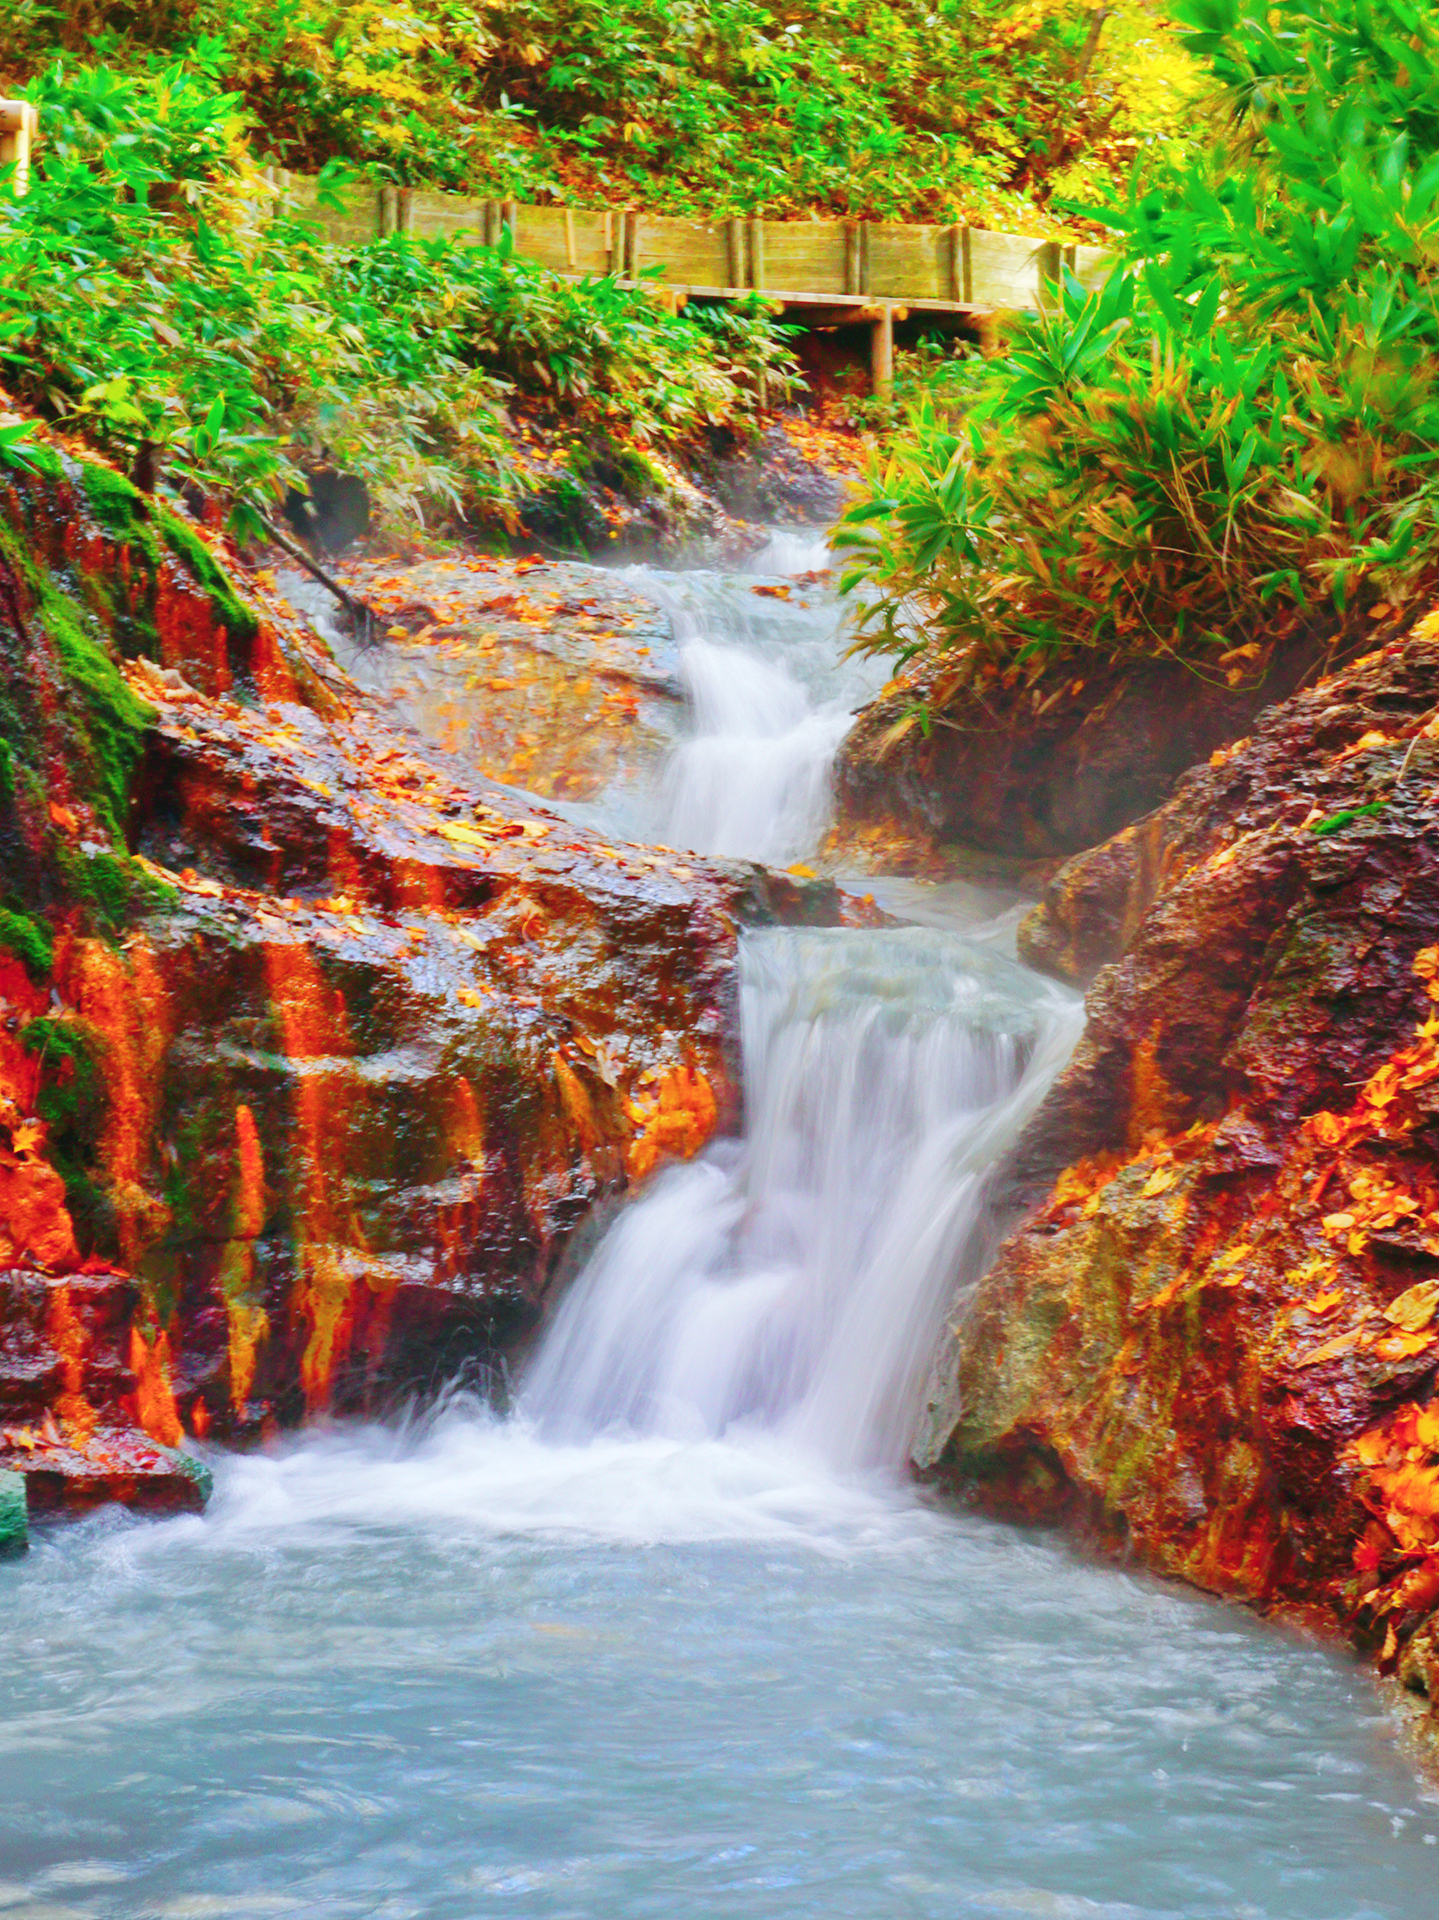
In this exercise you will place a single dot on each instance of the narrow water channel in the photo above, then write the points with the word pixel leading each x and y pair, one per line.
pixel 678 1638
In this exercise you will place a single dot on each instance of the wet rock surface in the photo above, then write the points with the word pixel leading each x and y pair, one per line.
pixel 1040 771
pixel 318 1047
pixel 1213 1339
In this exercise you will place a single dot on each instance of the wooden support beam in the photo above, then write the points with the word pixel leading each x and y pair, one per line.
pixel 1051 275
pixel 756 253
pixel 882 353
pixel 738 270
pixel 571 257
pixel 19 129
pixel 853 257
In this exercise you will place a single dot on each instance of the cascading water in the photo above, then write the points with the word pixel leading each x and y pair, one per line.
pixel 676 1638
pixel 768 702
pixel 795 1284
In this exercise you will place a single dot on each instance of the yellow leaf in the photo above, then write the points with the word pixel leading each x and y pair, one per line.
pixel 1400 1346
pixel 461 835
pixel 1415 1307
pixel 1160 1181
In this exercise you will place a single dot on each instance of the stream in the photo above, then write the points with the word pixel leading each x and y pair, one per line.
pixel 677 1637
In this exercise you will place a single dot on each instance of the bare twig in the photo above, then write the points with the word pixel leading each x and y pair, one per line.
pixel 362 616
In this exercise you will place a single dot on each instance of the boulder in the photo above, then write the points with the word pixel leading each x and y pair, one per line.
pixel 1212 1339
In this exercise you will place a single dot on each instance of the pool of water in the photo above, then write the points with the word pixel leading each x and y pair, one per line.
pixel 458 1671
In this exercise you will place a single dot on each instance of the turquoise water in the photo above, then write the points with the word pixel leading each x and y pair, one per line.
pixel 459 1672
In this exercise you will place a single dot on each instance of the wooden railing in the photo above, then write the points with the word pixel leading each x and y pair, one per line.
pixel 826 272
pixel 18 125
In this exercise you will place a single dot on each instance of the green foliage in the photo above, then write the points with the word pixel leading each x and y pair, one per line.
pixel 152 292
pixel 1238 431
pixel 913 109
pixel 30 940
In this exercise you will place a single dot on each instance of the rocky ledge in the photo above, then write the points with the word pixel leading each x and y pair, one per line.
pixel 318 1050
pixel 1213 1340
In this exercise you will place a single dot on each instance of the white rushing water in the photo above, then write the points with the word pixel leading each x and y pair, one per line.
pixel 769 701
pixel 796 1284
pixel 677 1638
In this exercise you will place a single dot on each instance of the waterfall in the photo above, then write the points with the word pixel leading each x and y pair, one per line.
pixel 795 1283
pixel 768 697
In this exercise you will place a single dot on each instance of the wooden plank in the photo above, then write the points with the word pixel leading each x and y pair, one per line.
pixel 853 256
pixel 1051 265
pixel 882 353
pixel 811 254
pixel 433 214
pixel 738 262
pixel 19 130
pixel 543 234
pixel 757 261
pixel 1091 266
pixel 692 252
pixel 1004 269
pixel 357 221
pixel 909 262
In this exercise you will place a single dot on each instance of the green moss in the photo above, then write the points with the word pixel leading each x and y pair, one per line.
pixel 44 460
pixel 7 771
pixel 118 505
pixel 191 551
pixel 72 1101
pixel 31 941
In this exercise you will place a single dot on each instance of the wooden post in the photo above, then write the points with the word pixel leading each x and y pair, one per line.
pixel 882 353
pixel 389 211
pixel 853 257
pixel 571 257
pixel 510 214
pixel 735 231
pixel 490 220
pixel 1050 270
pixel 966 247
pixel 632 245
pixel 611 264
pixel 756 253
pixel 19 129
pixel 863 286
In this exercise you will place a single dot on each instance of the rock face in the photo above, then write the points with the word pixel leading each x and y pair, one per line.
pixel 1213 1338
pixel 1042 770
pixel 315 1048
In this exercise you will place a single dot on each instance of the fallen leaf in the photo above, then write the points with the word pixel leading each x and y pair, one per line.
pixel 1414 1308
pixel 1323 1303
pixel 1331 1349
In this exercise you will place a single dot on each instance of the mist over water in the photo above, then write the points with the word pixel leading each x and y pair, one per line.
pixel 678 1637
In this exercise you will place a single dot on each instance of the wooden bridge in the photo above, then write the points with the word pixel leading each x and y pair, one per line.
pixel 822 273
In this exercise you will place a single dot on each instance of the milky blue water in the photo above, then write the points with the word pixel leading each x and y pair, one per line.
pixel 725 1663
pixel 460 1672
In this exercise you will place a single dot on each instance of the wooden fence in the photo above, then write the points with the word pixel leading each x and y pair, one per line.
pixel 18 126
pixel 823 273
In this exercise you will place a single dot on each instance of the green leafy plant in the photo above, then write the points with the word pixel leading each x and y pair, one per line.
pixel 156 296
pixel 1237 432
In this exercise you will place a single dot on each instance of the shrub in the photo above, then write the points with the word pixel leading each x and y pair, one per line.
pixel 153 291
pixel 1237 432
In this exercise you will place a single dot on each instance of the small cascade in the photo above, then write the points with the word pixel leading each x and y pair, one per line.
pixel 795 1284
pixel 769 701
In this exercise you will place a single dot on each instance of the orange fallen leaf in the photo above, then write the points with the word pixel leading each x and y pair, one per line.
pixel 1323 1303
